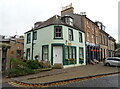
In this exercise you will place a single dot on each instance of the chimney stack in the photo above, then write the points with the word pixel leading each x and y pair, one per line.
pixel 67 10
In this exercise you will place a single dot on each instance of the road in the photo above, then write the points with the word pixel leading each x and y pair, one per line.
pixel 107 81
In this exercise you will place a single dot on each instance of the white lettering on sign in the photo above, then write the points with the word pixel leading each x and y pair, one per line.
pixel 66 7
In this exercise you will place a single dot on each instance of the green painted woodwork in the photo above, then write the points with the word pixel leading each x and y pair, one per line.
pixel 45 36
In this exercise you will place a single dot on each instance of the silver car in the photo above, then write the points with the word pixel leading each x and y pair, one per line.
pixel 112 61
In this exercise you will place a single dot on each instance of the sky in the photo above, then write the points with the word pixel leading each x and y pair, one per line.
pixel 19 16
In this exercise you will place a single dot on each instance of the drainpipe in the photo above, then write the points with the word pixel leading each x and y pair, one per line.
pixel 32 43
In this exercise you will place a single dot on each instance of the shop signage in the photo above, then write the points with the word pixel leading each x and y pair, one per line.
pixel 69 43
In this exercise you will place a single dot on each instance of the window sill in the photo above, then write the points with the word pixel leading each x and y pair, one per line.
pixel 58 38
pixel 71 40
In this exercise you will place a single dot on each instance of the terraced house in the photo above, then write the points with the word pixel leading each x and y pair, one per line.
pixel 70 39
pixel 96 38
pixel 91 33
pixel 57 40
pixel 111 46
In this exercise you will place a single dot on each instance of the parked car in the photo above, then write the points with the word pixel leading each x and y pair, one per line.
pixel 112 61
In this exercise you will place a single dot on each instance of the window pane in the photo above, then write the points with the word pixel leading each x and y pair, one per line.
pixel 28 37
pixel 74 52
pixel 66 52
pixel 18 52
pixel 80 37
pixel 80 52
pixel 70 34
pixel 58 32
pixel 28 54
pixel 70 52
pixel 45 53
pixel 35 35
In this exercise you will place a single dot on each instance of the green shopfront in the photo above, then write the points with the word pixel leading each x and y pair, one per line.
pixel 67 54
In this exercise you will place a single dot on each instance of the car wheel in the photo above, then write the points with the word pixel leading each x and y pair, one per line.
pixel 107 64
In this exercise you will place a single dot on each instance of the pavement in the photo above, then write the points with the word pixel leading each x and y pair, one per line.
pixel 57 75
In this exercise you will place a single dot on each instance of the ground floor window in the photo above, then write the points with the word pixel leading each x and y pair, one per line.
pixel 18 52
pixel 45 52
pixel 66 52
pixel 28 53
pixel 70 55
pixel 81 55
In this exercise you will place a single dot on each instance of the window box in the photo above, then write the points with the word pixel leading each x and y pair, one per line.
pixel 70 61
pixel 81 61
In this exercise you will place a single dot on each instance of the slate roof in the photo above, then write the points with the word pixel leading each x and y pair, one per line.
pixel 55 20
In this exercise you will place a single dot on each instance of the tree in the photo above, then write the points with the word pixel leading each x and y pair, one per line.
pixel 117 45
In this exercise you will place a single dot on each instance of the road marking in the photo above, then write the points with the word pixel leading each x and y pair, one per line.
pixel 15 84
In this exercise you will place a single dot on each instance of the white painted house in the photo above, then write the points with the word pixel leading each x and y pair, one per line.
pixel 56 40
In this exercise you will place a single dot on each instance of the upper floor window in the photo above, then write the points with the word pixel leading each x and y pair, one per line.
pixel 92 26
pixel 58 32
pixel 88 24
pixel 88 36
pixel 104 40
pixel 97 39
pixel 93 38
pixel 100 38
pixel 28 38
pixel 70 34
pixel 35 35
pixel 80 37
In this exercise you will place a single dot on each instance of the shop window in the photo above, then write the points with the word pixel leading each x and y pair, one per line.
pixel 66 52
pixel 70 52
pixel 73 52
pixel 81 55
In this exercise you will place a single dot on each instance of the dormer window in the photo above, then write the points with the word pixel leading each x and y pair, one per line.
pixel 99 25
pixel 68 20
pixel 103 27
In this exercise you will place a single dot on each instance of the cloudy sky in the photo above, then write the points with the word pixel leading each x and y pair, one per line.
pixel 18 16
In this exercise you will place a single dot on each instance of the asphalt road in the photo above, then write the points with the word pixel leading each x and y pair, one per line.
pixel 107 81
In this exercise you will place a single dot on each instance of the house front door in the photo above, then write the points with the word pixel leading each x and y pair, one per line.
pixel 57 54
